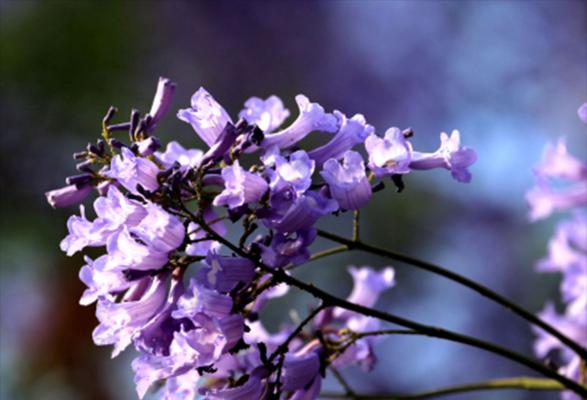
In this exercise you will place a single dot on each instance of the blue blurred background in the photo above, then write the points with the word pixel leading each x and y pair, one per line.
pixel 509 74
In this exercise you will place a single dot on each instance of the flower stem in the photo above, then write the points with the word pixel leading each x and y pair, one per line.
pixel 526 383
pixel 483 290
pixel 281 276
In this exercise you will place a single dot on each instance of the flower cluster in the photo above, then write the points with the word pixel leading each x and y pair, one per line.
pixel 562 185
pixel 189 300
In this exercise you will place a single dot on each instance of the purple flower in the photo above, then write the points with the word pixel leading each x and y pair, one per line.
pixel 161 102
pixel 126 251
pixel 568 246
pixel 240 187
pixel 297 171
pixel 100 281
pixel 451 155
pixel 253 388
pixel 286 249
pixel 206 116
pixel 310 392
pixel 558 163
pixel 119 322
pixel 367 286
pixel 302 213
pixel 543 200
pixel 312 117
pixel 299 370
pixel 131 171
pixel 225 273
pixel 351 132
pixel 198 299
pixel 175 152
pixel 68 195
pixel 162 231
pixel 348 182
pixel 574 329
pixel 148 146
pixel 582 112
pixel 113 211
pixel 389 155
pixel 267 114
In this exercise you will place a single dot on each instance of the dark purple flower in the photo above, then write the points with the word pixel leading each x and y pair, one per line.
pixel 299 370
pixel 348 182
pixel 286 249
pixel 68 195
pixel 225 273
pixel 199 299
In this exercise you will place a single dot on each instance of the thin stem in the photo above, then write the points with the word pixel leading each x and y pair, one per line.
pixel 526 383
pixel 483 290
pixel 322 254
pixel 427 330
pixel 356 225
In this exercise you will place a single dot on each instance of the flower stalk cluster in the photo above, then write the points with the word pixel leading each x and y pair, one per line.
pixel 197 241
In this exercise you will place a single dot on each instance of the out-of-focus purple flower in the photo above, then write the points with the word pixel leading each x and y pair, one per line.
pixel 130 171
pixel 119 322
pixel 206 116
pixel 390 154
pixel 352 131
pixel 543 200
pixel 558 163
pixel 68 195
pixel 267 114
pixel 175 152
pixel 182 387
pixel 225 273
pixel 310 392
pixel 302 213
pixel 348 182
pixel 568 246
pixel 299 370
pixel 312 117
pixel 367 286
pixel 582 112
pixel 286 249
pixel 572 328
pixel 161 102
pixel 451 155
pixel 240 187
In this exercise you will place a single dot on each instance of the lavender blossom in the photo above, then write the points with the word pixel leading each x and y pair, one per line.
pixel 206 116
pixel 175 152
pixel 348 182
pixel 351 132
pixel 451 155
pixel 161 102
pixel 100 281
pixel 297 171
pixel 299 370
pixel 312 117
pixel 68 195
pixel 286 249
pixel 389 155
pixel 543 200
pixel 131 171
pixel 267 114
pixel 582 112
pixel 225 273
pixel 240 187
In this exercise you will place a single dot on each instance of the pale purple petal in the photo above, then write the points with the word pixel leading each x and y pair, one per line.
pixel 348 183
pixel 389 155
pixel 267 114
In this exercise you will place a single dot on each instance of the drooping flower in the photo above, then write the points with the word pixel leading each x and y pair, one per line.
pixel 206 116
pixel 390 154
pixel 312 117
pixel 348 183
pixel 451 155
pixel 161 102
pixel 68 195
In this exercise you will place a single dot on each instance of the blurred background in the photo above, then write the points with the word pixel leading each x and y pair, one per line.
pixel 509 75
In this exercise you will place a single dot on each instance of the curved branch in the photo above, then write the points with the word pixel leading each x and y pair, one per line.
pixel 525 383
pixel 483 290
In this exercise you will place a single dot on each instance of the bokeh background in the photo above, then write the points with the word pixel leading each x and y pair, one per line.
pixel 509 74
